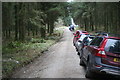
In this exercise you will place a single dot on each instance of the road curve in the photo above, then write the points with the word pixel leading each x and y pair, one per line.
pixel 60 61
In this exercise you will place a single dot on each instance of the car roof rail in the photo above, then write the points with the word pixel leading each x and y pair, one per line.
pixel 114 35
pixel 108 34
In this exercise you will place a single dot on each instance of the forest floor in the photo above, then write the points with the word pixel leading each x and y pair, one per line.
pixel 18 54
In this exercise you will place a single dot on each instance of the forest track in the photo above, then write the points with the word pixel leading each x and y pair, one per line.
pixel 60 61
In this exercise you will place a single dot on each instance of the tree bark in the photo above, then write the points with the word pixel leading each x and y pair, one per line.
pixel 16 22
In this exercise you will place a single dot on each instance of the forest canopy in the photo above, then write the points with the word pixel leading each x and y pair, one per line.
pixel 22 19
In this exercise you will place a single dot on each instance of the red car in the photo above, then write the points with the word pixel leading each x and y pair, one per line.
pixel 77 35
pixel 102 55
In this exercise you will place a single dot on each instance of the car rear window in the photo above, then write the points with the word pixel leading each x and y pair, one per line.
pixel 87 39
pixel 96 41
pixel 91 37
pixel 113 46
pixel 82 37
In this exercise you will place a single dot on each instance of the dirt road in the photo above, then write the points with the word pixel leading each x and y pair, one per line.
pixel 60 61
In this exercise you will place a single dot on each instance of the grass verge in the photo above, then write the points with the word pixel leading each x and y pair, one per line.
pixel 18 54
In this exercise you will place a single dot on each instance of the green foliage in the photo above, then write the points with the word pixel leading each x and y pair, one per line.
pixel 11 47
pixel 36 21
pixel 8 67
pixel 67 21
pixel 14 44
pixel 17 54
pixel 38 40
pixel 97 16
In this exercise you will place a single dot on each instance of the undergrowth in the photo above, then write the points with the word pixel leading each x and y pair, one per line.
pixel 17 54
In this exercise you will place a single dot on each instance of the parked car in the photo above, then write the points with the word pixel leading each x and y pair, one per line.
pixel 102 55
pixel 71 27
pixel 80 40
pixel 77 35
pixel 85 41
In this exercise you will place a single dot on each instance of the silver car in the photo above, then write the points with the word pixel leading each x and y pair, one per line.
pixel 79 41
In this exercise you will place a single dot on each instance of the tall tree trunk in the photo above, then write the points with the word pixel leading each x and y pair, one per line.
pixel 42 30
pixel 28 29
pixel 48 27
pixel 36 31
pixel 16 22
pixel 96 16
pixel 33 33
pixel 22 23
pixel 51 27
pixel 85 24
pixel 118 18
pixel 9 32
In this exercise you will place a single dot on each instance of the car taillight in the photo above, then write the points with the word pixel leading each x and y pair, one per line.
pixel 98 66
pixel 84 46
pixel 101 54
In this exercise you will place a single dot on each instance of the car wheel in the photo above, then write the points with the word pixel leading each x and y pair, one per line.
pixel 78 53
pixel 88 74
pixel 81 53
pixel 76 49
pixel 73 43
pixel 81 62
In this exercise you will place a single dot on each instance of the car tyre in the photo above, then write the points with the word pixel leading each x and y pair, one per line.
pixel 89 74
pixel 81 62
pixel 76 49
pixel 78 53
pixel 81 52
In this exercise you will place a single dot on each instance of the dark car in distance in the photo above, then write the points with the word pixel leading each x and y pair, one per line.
pixel 102 55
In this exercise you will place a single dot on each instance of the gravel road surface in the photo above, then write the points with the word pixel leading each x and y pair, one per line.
pixel 60 61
